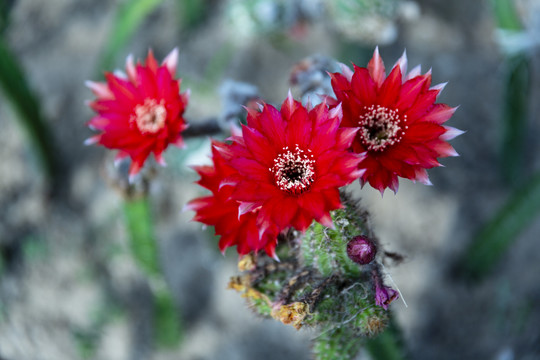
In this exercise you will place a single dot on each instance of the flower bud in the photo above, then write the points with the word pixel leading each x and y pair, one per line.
pixel 361 250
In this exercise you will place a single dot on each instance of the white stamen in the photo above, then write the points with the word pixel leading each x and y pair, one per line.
pixel 293 171
pixel 380 127
pixel 150 117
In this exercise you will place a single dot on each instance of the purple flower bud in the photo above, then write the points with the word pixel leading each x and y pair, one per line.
pixel 384 296
pixel 361 250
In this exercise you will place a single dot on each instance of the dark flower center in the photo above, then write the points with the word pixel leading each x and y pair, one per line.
pixel 380 127
pixel 150 117
pixel 294 171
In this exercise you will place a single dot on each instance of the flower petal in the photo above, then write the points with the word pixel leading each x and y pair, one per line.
pixel 376 68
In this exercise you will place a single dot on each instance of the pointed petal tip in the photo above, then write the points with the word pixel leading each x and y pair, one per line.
pixel 451 133
pixel 117 162
pixel 171 61
pixel 160 160
pixel 91 140
pixel 120 74
pixel 402 63
pixel 187 207
pixel 358 173
pixel 417 70
pixel 423 179
pixel 326 220
pixel 89 84
pixel 346 71
pixel 336 111
pixel 132 178
pixel 100 89
pixel 440 87
pixel 130 68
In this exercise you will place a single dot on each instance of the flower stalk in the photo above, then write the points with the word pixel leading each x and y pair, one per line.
pixel 167 329
pixel 141 235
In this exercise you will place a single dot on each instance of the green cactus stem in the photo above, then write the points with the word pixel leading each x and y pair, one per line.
pixel 167 325
pixel 317 285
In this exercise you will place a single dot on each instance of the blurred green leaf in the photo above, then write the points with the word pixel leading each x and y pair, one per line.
pixel 141 232
pixel 5 9
pixel 167 328
pixel 129 16
pixel 16 89
pixel 506 15
pixel 515 114
pixel 192 12
pixel 497 235
pixel 218 64
pixel 166 321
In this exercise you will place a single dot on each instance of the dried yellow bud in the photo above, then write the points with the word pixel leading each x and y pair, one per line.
pixel 293 313
pixel 238 283
pixel 247 263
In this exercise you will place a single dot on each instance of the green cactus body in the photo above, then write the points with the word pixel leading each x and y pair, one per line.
pixel 316 284
pixel 337 343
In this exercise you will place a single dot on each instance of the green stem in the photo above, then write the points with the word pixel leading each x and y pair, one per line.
pixel 141 235
pixel 167 328
pixel 5 9
pixel 516 94
pixel 515 114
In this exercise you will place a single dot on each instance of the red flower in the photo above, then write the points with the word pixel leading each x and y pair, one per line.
pixel 140 112
pixel 290 164
pixel 222 212
pixel 401 129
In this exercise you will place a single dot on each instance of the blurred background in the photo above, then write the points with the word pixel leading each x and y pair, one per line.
pixel 69 288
